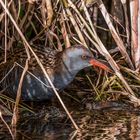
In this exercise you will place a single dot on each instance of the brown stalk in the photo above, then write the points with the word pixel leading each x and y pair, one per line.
pixel 14 11
pixel 95 15
pixel 46 9
pixel 30 22
pixel 6 125
pixel 77 29
pixel 73 135
pixel 134 5
pixel 49 12
pixel 30 7
pixel 16 16
pixel 58 41
pixel 64 31
pixel 126 20
pixel 31 1
pixel 15 111
pixel 116 37
pixel 43 13
pixel 3 13
pixel 7 73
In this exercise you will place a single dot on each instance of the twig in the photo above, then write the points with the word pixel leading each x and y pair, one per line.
pixel 15 112
pixel 74 135
pixel 19 92
pixel 7 74
pixel 6 125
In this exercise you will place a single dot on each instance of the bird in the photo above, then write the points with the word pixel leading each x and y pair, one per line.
pixel 61 66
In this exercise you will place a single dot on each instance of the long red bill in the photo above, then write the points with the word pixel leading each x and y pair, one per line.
pixel 96 63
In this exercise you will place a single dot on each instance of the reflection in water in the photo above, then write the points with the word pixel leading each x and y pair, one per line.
pixel 96 125
pixel 111 125
pixel 135 128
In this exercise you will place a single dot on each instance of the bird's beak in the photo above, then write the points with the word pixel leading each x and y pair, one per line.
pixel 99 64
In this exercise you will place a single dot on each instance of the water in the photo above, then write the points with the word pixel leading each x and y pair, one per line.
pixel 111 125
pixel 106 124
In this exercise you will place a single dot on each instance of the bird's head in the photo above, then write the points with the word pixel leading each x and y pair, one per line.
pixel 78 57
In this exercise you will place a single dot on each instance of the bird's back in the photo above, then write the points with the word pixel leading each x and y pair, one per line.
pixel 33 87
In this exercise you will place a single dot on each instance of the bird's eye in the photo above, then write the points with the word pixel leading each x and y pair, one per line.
pixel 84 57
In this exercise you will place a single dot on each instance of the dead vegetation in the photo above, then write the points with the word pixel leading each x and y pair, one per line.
pixel 104 27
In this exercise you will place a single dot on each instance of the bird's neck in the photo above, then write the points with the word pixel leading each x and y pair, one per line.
pixel 63 76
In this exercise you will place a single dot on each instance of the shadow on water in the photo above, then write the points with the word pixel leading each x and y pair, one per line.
pixel 53 124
